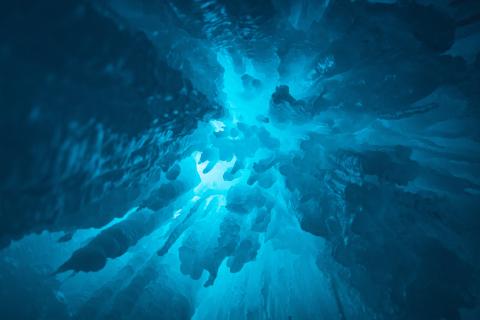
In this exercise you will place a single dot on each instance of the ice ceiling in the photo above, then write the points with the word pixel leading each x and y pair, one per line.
pixel 224 159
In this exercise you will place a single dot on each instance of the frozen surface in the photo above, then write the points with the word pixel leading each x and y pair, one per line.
pixel 240 159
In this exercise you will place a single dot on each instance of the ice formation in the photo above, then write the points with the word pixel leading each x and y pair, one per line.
pixel 240 159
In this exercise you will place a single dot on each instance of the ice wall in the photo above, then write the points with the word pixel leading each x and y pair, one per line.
pixel 240 160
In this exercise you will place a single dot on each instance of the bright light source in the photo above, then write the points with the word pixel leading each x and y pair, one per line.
pixel 217 125
pixel 213 179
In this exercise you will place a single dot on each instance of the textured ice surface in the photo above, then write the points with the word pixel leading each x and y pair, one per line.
pixel 240 159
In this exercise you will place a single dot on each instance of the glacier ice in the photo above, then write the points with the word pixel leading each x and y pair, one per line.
pixel 240 159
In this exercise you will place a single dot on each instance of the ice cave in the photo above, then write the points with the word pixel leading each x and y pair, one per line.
pixel 240 159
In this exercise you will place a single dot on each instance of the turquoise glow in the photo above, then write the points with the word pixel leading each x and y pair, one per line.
pixel 240 160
